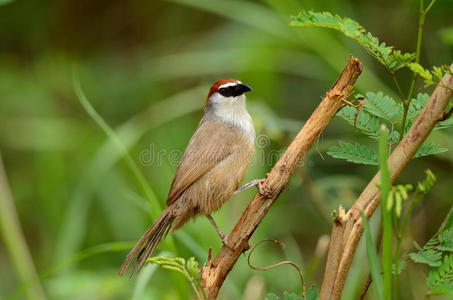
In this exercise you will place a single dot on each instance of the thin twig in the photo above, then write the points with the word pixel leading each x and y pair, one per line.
pixel 214 273
pixel 285 262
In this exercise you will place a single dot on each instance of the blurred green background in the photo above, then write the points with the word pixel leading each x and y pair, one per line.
pixel 146 67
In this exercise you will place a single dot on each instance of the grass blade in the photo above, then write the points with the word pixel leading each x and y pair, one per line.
pixel 149 193
pixel 373 261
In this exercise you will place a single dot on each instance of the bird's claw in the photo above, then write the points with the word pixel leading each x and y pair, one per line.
pixel 224 238
pixel 264 191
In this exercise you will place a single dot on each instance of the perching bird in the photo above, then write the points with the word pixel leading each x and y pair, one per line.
pixel 211 169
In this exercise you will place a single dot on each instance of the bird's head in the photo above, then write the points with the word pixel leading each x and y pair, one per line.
pixel 227 92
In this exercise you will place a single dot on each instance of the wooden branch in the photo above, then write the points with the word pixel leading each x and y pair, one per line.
pixel 398 160
pixel 214 273
pixel 334 256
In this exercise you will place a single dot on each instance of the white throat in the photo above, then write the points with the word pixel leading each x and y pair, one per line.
pixel 231 110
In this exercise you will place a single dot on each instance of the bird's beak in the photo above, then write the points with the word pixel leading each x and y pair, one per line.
pixel 241 89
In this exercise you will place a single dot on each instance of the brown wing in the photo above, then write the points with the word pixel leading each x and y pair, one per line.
pixel 211 143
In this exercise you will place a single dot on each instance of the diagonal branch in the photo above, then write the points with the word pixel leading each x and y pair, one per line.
pixel 398 160
pixel 214 273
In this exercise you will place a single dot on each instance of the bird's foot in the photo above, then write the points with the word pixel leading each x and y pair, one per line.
pixel 264 191
pixel 222 235
pixel 224 238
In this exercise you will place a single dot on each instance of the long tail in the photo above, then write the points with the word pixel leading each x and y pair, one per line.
pixel 151 237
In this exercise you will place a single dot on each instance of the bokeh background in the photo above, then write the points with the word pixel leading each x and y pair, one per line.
pixel 146 67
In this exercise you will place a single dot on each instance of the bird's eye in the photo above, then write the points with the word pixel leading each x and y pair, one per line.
pixel 226 91
pixel 223 92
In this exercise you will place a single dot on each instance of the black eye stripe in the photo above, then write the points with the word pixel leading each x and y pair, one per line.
pixel 234 90
pixel 227 91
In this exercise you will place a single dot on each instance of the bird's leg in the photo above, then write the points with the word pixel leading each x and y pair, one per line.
pixel 258 183
pixel 255 182
pixel 222 235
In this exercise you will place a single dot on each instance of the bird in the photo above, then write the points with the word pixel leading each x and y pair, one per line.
pixel 211 169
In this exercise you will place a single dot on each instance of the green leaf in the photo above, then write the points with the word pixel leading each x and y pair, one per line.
pixel 429 257
pixel 392 60
pixel 416 106
pixel 375 268
pixel 402 264
pixel 366 122
pixel 312 293
pixel 429 148
pixel 440 279
pixel 192 268
pixel 178 264
pixel 422 72
pixel 444 124
pixel 357 153
pixel 445 239
pixel 382 106
pixel 291 296
pixel 271 296
pixel 432 77
pixel 426 185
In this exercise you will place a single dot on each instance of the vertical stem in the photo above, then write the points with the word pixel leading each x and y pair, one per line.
pixel 386 217
pixel 405 104
pixel 421 23
pixel 15 240
pixel 399 238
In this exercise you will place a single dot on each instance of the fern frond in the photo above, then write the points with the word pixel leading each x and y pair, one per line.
pixel 366 122
pixel 429 257
pixel 438 254
pixel 416 106
pixel 382 106
pixel 445 241
pixel 392 59
pixel 359 154
pixel 431 77
pixel 444 124
pixel 402 264
pixel 440 279
pixel 429 148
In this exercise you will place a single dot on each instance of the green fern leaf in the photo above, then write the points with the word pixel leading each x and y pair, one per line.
pixel 429 257
pixel 402 264
pixel 271 296
pixel 366 122
pixel 422 72
pixel 382 106
pixel 444 124
pixel 291 296
pixel 440 279
pixel 359 154
pixel 392 60
pixel 429 148
pixel 445 241
pixel 431 77
pixel 416 106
